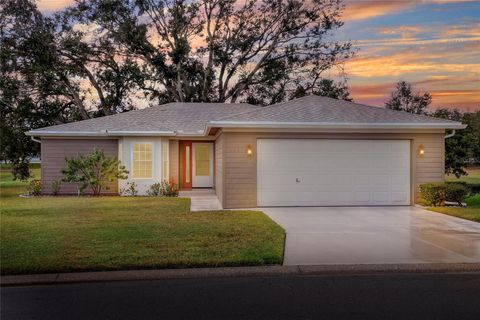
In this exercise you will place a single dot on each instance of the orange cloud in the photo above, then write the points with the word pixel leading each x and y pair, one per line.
pixel 53 5
pixel 359 10
pixel 401 63
pixel 376 94
pixel 447 1
pixel 364 9
pixel 399 30
pixel 472 30
pixel 447 91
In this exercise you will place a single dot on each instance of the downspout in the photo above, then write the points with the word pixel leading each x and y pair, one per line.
pixel 450 135
pixel 36 140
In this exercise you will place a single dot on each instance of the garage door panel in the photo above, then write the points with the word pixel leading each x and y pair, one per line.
pixel 399 197
pixel 315 172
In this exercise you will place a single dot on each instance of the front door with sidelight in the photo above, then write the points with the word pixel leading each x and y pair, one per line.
pixel 202 165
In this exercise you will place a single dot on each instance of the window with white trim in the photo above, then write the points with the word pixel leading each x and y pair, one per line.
pixel 142 161
pixel 165 162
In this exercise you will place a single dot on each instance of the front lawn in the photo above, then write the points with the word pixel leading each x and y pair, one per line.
pixel 61 234
pixel 471 212
pixel 473 176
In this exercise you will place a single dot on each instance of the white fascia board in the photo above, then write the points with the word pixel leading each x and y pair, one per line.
pixel 330 125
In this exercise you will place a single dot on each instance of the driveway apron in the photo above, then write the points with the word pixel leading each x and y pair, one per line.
pixel 365 235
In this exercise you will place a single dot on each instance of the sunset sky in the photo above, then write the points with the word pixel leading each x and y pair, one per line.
pixel 434 44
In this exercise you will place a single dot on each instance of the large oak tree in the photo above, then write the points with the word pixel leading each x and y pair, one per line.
pixel 96 57
pixel 225 50
pixel 52 71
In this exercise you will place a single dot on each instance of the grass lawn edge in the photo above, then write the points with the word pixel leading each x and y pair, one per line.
pixel 465 213
pixel 64 234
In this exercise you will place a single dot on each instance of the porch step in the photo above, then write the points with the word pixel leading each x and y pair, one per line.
pixel 202 200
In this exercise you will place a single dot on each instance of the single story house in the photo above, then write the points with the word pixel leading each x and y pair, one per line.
pixel 311 151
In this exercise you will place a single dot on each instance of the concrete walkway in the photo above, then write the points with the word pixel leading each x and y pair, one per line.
pixel 375 235
pixel 202 199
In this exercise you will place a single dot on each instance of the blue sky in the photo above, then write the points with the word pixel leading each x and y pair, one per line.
pixel 435 45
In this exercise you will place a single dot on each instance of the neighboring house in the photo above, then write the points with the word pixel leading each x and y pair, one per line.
pixel 312 151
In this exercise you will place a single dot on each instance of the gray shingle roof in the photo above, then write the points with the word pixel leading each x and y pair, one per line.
pixel 317 109
pixel 180 117
pixel 192 118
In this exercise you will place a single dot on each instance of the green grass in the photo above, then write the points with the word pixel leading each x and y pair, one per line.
pixel 472 177
pixel 471 212
pixel 465 213
pixel 62 234
pixel 473 201
pixel 10 187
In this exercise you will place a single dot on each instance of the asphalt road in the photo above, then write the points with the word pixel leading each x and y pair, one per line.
pixel 384 296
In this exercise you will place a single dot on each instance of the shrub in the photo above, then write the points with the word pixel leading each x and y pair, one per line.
pixel 21 171
pixel 94 170
pixel 433 193
pixel 456 192
pixel 129 190
pixel 169 188
pixel 155 190
pixel 35 187
pixel 456 182
pixel 56 185
pixel 473 201
pixel 474 188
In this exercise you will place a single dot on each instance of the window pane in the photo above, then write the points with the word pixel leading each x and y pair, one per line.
pixel 202 161
pixel 202 168
pixel 187 164
pixel 142 160
pixel 148 172
pixel 165 172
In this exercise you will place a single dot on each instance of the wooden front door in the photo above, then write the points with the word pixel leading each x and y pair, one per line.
pixel 196 164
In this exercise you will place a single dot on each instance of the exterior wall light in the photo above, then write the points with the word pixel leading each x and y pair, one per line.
pixel 421 150
pixel 249 150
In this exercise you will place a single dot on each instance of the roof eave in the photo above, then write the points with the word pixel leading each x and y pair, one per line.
pixel 45 133
pixel 329 125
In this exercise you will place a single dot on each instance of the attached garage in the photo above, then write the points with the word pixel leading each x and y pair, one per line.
pixel 332 172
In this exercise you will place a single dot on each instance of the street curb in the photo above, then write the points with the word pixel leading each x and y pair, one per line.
pixel 229 272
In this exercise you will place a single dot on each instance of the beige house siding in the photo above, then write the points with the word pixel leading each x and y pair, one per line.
pixel 54 151
pixel 240 170
pixel 219 168
pixel 431 166
pixel 173 159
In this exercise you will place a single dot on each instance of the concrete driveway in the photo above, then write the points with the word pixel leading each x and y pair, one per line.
pixel 359 235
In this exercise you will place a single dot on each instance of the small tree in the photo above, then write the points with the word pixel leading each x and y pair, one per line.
pixel 94 170
pixel 403 99
pixel 463 149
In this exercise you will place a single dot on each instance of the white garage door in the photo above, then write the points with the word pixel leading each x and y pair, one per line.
pixel 321 172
